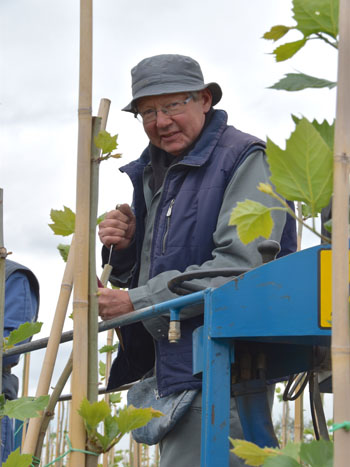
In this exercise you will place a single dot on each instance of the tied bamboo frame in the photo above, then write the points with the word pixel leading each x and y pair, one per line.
pixel 340 242
pixel 81 263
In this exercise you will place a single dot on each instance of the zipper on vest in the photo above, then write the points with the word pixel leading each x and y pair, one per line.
pixel 168 217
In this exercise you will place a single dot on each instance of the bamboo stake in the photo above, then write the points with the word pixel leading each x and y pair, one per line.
pixel 92 387
pixel 52 349
pixel 81 276
pixel 299 403
pixel 3 254
pixel 25 385
pixel 110 335
pixel 49 411
pixel 340 242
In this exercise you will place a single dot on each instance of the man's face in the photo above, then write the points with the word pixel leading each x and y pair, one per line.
pixel 174 134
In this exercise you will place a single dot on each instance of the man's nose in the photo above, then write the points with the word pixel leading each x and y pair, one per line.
pixel 162 119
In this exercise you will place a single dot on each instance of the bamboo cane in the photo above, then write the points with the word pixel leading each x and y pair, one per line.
pixel 49 411
pixel 81 275
pixel 299 403
pixel 92 387
pixel 340 242
pixel 25 385
pixel 52 349
pixel 3 254
pixel 110 335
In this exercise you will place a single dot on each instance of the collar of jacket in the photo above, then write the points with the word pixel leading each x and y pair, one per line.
pixel 201 151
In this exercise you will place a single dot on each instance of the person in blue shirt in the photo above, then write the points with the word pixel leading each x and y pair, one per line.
pixel 21 306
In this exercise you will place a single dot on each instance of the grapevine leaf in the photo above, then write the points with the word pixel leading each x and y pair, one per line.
pixel 300 81
pixel 115 398
pixel 281 461
pixel 93 413
pixel 306 211
pixel 276 32
pixel 63 221
pixel 2 405
pixel 328 225
pixel 103 442
pixel 291 450
pixel 101 218
pixel 16 459
pixel 253 219
pixel 251 453
pixel 130 417
pixel 23 332
pixel 106 142
pixel 102 368
pixel 111 427
pixel 286 51
pixel 109 348
pixel 317 16
pixel 64 251
pixel 304 170
pixel 25 407
pixel 325 130
pixel 317 453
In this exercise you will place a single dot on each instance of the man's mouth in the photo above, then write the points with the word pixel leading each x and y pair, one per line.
pixel 169 136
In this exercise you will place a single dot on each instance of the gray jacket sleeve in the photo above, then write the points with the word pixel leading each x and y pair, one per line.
pixel 229 251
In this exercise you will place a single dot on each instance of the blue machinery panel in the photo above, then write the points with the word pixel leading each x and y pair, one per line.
pixel 276 304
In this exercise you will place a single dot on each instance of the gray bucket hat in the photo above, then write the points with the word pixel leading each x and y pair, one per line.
pixel 165 74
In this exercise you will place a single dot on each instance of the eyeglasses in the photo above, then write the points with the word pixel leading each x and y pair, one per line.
pixel 172 109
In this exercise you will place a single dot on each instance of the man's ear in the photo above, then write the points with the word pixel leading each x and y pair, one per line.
pixel 207 99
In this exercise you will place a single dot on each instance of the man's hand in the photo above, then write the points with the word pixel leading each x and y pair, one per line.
pixel 118 228
pixel 113 303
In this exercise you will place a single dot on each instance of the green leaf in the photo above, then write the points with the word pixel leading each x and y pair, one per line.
pixel 317 16
pixel 328 225
pixel 300 81
pixel 317 453
pixel 64 251
pixel 106 142
pixel 253 219
pixel 25 407
pixel 101 218
pixel 326 131
pixel 109 348
pixel 306 211
pixel 304 170
pixel 93 413
pixel 102 368
pixel 276 32
pixel 130 417
pixel 2 405
pixel 112 429
pixel 115 398
pixel 281 461
pixel 16 459
pixel 63 221
pixel 24 331
pixel 251 453
pixel 291 450
pixel 286 51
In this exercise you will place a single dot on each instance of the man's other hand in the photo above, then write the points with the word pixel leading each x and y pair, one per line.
pixel 113 303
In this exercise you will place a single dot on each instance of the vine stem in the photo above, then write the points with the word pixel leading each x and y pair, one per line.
pixel 298 219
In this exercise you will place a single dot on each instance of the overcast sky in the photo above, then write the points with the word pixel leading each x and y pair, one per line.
pixel 39 98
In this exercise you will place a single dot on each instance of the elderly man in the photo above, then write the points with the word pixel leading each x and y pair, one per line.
pixel 186 183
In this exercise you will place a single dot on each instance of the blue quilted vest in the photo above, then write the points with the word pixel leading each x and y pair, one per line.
pixel 194 188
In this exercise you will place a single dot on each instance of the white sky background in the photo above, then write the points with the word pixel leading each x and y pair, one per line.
pixel 39 100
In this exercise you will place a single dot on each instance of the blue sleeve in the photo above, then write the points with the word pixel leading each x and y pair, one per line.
pixel 20 306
